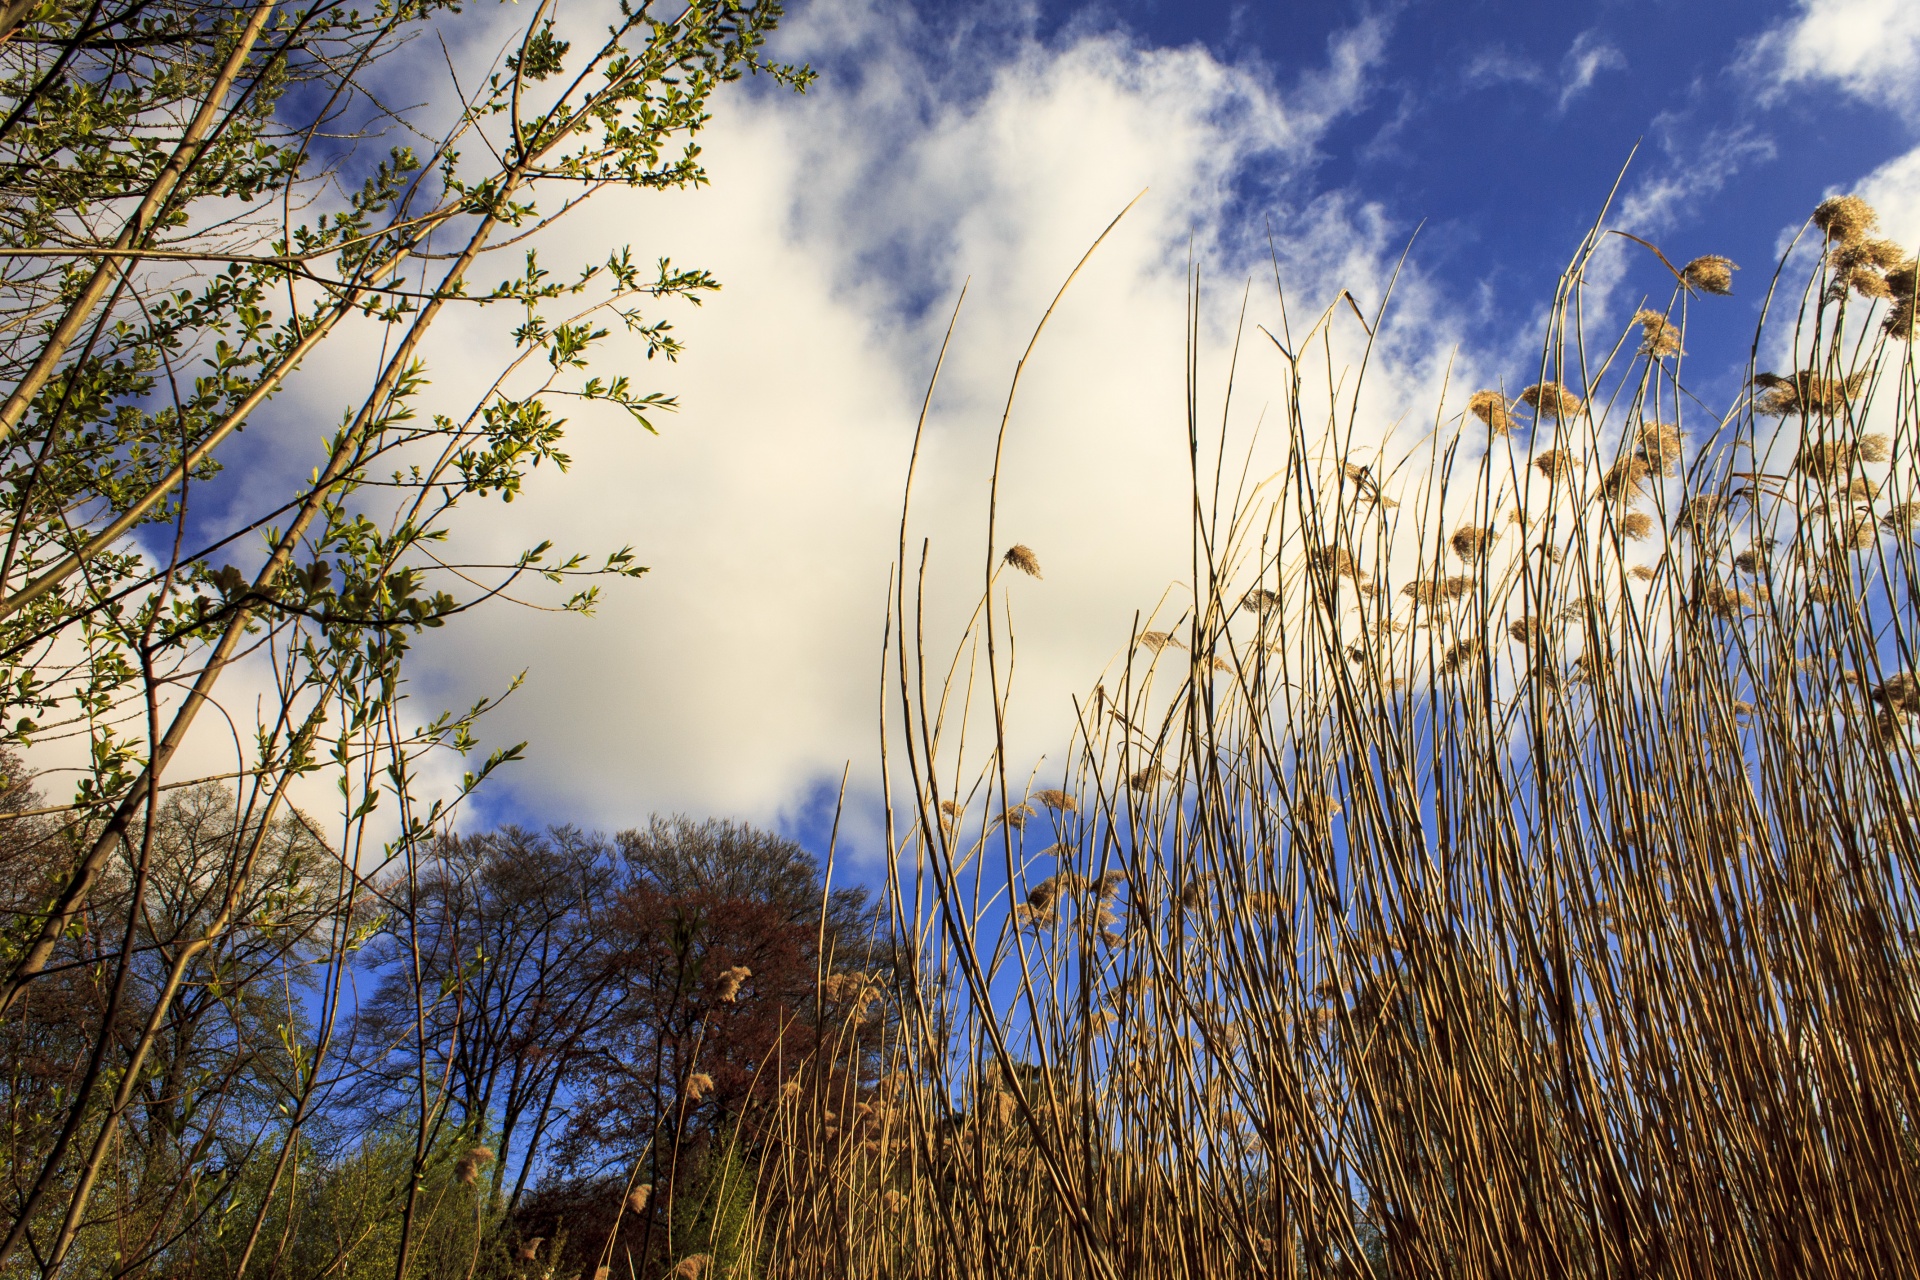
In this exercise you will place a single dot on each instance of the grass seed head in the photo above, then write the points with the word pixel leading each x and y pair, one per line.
pixel 1057 800
pixel 1551 400
pixel 1846 219
pixel 1727 601
pixel 1555 463
pixel 1901 282
pixel 1902 279
pixel 1864 281
pixel 1146 779
pixel 1259 600
pixel 1029 917
pixel 1710 274
pixel 1881 255
pixel 1659 338
pixel 1625 479
pixel 1899 694
pixel 1334 560
pixel 1424 592
pixel 1021 557
pixel 1493 409
pixel 1855 532
pixel 1469 542
pixel 466 1170
pixel 1701 514
pixel 730 982
pixel 1824 460
pixel 842 985
pixel 1660 445
pixel 1805 392
pixel 1637 525
pixel 1903 319
pixel 1903 518
pixel 699 1085
pixel 638 1197
pixel 1459 655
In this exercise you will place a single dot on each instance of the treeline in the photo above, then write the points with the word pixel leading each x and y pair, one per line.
pixel 499 1058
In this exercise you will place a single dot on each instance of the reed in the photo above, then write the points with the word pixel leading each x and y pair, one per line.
pixel 1503 867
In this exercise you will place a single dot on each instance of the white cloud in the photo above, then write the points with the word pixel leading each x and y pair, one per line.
pixel 1692 173
pixel 1500 65
pixel 1894 191
pixel 1589 55
pixel 743 671
pixel 1871 48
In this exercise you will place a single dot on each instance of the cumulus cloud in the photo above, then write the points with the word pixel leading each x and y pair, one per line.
pixel 1894 191
pixel 743 672
pixel 1870 48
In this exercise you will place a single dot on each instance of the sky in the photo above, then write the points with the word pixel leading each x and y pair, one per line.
pixel 986 146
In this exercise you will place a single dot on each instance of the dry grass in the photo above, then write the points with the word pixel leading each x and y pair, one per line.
pixel 1398 951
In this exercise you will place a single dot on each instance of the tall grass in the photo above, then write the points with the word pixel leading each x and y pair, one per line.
pixel 1503 866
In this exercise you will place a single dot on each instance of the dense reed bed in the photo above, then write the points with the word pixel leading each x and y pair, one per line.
pixel 1501 866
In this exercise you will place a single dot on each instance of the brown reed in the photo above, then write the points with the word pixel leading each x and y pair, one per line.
pixel 1404 954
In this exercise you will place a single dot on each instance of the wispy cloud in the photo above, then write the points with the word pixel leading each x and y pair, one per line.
pixel 1584 61
pixel 1501 65
pixel 1693 172
pixel 1589 55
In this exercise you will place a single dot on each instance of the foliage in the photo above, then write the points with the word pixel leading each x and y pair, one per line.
pixel 194 209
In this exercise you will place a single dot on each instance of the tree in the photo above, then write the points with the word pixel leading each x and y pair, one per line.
pixel 510 929
pixel 603 1014
pixel 715 937
pixel 197 1027
pixel 192 208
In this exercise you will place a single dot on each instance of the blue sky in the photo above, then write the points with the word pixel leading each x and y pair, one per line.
pixel 1501 125
pixel 1497 128
pixel 954 143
